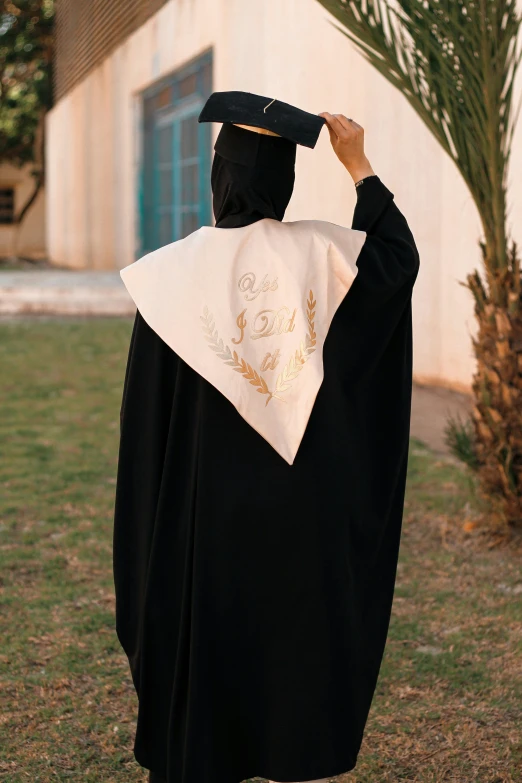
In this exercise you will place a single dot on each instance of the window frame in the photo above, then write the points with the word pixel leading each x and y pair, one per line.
pixel 12 215
pixel 163 105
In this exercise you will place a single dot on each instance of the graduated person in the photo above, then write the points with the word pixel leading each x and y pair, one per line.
pixel 264 445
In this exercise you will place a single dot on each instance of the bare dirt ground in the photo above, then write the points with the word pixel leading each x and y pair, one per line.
pixel 430 408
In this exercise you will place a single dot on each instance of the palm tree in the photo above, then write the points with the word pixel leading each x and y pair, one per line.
pixel 455 62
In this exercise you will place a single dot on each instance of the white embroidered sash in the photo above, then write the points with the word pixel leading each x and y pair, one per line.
pixel 249 309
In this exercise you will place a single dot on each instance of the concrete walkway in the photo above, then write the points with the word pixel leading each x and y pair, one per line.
pixel 430 408
pixel 63 292
pixel 56 292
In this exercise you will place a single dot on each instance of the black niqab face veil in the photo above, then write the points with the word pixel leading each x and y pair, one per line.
pixel 252 176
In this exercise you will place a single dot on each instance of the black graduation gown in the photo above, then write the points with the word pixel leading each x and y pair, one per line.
pixel 254 597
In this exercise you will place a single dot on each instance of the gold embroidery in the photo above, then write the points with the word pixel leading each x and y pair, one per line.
pixel 303 353
pixel 277 323
pixel 247 282
pixel 231 358
pixel 292 368
pixel 270 361
pixel 241 322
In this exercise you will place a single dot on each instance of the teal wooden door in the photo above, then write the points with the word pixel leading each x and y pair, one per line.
pixel 174 193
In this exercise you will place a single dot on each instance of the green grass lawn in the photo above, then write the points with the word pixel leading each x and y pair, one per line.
pixel 448 705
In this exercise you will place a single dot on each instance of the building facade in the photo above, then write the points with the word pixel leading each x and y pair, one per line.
pixel 128 165
pixel 27 239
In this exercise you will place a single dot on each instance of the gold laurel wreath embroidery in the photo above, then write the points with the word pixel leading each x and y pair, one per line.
pixel 292 368
pixel 302 354
pixel 231 357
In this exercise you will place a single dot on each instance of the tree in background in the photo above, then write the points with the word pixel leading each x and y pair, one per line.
pixel 26 51
pixel 455 61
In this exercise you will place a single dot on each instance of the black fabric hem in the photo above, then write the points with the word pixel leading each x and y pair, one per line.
pixel 339 769
pixel 154 778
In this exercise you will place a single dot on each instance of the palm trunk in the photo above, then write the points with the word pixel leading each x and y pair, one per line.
pixel 497 385
pixel 456 64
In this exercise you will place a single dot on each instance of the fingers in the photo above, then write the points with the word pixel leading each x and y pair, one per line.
pixel 333 136
pixel 345 122
pixel 347 140
pixel 340 125
pixel 334 124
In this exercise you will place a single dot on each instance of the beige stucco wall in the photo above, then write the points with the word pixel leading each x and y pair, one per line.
pixel 29 239
pixel 285 49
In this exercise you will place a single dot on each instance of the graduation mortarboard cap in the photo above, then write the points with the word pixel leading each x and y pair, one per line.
pixel 258 111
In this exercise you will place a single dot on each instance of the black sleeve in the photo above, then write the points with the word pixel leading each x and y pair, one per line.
pixel 149 388
pixel 127 368
pixel 389 259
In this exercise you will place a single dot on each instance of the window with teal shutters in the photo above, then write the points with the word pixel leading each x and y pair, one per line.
pixel 174 192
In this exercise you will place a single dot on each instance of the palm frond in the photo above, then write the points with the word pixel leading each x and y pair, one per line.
pixel 455 61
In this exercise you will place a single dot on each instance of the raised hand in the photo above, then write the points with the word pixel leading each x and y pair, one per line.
pixel 347 138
